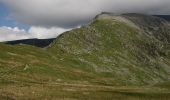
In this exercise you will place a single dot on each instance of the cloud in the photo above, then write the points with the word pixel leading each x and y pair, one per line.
pixel 42 32
pixel 71 13
pixel 9 34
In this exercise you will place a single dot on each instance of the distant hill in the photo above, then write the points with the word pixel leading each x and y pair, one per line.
pixel 166 17
pixel 35 42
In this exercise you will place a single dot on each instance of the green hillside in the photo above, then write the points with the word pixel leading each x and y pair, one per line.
pixel 120 50
pixel 114 56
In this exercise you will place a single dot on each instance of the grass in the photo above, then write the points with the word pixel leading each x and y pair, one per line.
pixel 80 92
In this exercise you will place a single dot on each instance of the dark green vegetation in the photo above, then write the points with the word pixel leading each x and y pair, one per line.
pixel 114 57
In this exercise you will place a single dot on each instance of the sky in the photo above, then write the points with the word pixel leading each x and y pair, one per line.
pixel 23 19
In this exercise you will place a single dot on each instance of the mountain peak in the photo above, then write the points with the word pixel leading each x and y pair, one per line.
pixel 105 14
pixel 116 17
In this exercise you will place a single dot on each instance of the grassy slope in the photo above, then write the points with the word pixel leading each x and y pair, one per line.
pixel 117 51
pixel 88 61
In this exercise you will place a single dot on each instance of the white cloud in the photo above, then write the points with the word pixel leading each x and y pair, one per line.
pixel 8 33
pixel 42 32
pixel 69 13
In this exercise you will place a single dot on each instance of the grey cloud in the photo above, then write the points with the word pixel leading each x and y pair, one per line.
pixel 71 13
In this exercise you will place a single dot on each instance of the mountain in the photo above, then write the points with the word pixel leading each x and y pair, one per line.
pixel 131 48
pixel 34 42
pixel 113 57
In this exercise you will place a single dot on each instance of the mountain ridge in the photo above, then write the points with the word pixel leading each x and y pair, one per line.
pixel 38 42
